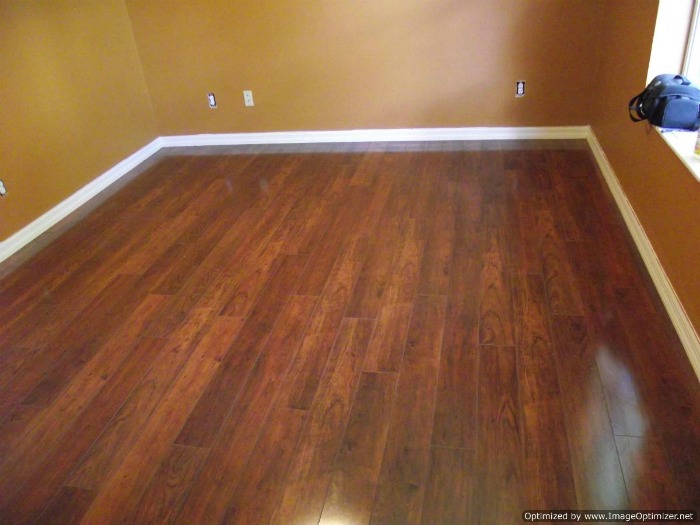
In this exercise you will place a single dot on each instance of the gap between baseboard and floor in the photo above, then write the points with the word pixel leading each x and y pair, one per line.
pixel 685 329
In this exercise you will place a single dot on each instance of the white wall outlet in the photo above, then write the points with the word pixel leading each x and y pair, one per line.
pixel 3 190
pixel 519 88
pixel 248 98
pixel 212 100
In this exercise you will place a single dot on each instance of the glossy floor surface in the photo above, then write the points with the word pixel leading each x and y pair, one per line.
pixel 388 333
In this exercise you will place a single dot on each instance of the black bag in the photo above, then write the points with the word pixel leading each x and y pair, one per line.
pixel 669 101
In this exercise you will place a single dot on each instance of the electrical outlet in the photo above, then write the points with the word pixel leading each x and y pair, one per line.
pixel 3 190
pixel 248 98
pixel 519 88
pixel 212 100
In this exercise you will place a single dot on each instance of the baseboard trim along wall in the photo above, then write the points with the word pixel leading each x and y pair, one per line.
pixel 378 135
pixel 687 333
pixel 18 240
pixel 681 322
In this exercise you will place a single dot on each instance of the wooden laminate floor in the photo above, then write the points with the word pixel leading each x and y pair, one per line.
pixel 444 333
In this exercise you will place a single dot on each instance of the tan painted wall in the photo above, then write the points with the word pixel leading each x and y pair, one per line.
pixel 73 101
pixel 344 64
pixel 663 193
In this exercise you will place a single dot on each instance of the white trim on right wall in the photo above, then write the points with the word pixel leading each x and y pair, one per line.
pixel 681 322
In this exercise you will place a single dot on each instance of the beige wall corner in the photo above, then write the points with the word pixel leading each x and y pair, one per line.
pixel 74 101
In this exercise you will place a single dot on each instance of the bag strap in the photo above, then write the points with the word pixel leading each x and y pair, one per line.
pixel 634 106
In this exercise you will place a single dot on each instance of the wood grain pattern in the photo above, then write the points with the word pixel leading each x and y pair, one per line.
pixel 389 338
pixel 405 465
pixel 596 465
pixel 267 382
pixel 546 465
pixel 208 416
pixel 308 478
pixel 456 399
pixel 113 444
pixel 501 477
pixel 356 466
pixel 259 492
pixel 307 370
pixel 397 332
pixel 449 495
pixel 163 497
pixel 34 496
pixel 496 311
pixel 122 490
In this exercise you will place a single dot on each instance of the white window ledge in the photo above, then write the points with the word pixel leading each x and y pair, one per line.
pixel 683 143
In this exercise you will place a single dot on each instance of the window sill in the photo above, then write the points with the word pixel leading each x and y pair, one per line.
pixel 683 143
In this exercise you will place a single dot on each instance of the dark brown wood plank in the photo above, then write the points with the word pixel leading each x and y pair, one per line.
pixel 120 492
pixel 208 416
pixel 84 337
pixel 95 245
pixel 98 259
pixel 46 481
pixel 249 283
pixel 260 490
pixel 546 462
pixel 496 310
pixel 457 390
pixel 356 466
pixel 53 365
pixel 649 479
pixel 309 476
pixel 673 393
pixel 68 507
pixel 107 453
pixel 34 443
pixel 562 291
pixel 527 239
pixel 267 383
pixel 500 481
pixel 404 279
pixel 11 361
pixel 372 280
pixel 404 470
pixel 323 259
pixel 305 238
pixel 307 370
pixel 210 285
pixel 449 495
pixel 437 256
pixel 162 500
pixel 177 263
pixel 14 426
pixel 389 338
pixel 630 414
pixel 594 459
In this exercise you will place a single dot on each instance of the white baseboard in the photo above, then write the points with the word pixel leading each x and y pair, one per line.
pixel 30 232
pixel 681 322
pixel 378 135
